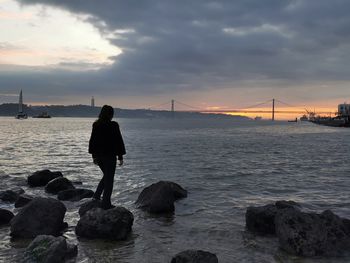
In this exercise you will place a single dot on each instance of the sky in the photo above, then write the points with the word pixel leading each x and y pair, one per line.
pixel 207 54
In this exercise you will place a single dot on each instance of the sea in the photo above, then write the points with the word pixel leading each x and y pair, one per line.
pixel 226 165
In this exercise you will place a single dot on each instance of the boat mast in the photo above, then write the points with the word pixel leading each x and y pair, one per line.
pixel 20 103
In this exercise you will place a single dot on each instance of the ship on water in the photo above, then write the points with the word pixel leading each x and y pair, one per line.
pixel 342 118
pixel 21 115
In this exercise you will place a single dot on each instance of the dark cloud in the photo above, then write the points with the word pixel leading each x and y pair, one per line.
pixel 171 46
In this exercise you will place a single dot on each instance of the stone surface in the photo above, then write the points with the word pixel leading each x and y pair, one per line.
pixel 75 194
pixel 160 197
pixel 5 216
pixel 261 219
pixel 41 216
pixel 89 205
pixel 11 195
pixel 41 178
pixel 195 256
pixel 49 249
pixel 112 224
pixel 311 234
pixel 22 200
pixel 58 184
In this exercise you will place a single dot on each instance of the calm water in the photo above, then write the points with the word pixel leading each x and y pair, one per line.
pixel 225 165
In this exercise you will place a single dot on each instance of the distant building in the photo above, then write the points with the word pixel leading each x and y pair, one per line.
pixel 344 109
pixel 92 101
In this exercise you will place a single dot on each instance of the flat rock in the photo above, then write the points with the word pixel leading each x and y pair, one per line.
pixel 49 249
pixel 75 194
pixel 22 200
pixel 160 197
pixel 114 224
pixel 41 178
pixel 41 216
pixel 89 205
pixel 311 234
pixel 11 195
pixel 195 256
pixel 5 216
pixel 58 184
pixel 261 219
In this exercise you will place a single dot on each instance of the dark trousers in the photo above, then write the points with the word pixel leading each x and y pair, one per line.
pixel 107 165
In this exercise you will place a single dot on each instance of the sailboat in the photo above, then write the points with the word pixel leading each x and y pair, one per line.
pixel 21 114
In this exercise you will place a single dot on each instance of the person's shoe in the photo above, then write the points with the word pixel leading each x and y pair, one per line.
pixel 107 207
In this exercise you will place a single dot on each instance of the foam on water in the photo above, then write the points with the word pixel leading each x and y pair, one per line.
pixel 225 165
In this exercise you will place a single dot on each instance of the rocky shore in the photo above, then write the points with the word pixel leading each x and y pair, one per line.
pixel 41 220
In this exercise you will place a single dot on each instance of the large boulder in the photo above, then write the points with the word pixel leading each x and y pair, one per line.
pixel 311 234
pixel 261 219
pixel 112 224
pixel 89 205
pixel 58 184
pixel 41 216
pixel 22 200
pixel 195 256
pixel 160 197
pixel 5 216
pixel 75 194
pixel 41 178
pixel 49 249
pixel 11 195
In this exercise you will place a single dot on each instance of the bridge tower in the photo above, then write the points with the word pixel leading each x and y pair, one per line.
pixel 273 109
pixel 172 108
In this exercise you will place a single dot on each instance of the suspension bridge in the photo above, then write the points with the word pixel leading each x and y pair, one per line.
pixel 272 106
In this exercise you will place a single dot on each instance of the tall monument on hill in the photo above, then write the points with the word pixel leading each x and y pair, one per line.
pixel 92 101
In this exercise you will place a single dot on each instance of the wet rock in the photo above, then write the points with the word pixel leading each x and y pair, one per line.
pixel 311 234
pixel 41 178
pixel 195 256
pixel 11 195
pixel 5 216
pixel 49 249
pixel 41 216
pixel 112 224
pixel 75 194
pixel 89 205
pixel 160 197
pixel 22 200
pixel 261 219
pixel 58 184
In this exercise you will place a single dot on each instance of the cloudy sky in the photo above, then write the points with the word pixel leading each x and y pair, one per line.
pixel 206 53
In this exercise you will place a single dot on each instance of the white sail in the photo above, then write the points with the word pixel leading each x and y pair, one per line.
pixel 20 103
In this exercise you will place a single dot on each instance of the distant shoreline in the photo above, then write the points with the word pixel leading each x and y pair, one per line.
pixel 11 109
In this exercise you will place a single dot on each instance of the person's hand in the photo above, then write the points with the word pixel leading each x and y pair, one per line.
pixel 120 162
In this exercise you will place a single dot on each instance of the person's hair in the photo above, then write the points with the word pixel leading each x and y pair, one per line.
pixel 106 114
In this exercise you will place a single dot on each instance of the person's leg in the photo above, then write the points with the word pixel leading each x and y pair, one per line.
pixel 110 165
pixel 100 186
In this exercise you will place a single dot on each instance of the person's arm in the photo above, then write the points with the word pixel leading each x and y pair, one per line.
pixel 120 147
pixel 92 144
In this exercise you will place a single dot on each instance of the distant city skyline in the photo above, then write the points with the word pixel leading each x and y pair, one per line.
pixel 209 54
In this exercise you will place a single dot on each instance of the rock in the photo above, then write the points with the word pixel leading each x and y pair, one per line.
pixel 262 219
pixel 5 216
pixel 58 184
pixel 160 197
pixel 112 224
pixel 75 194
pixel 49 249
pixel 41 178
pixel 195 256
pixel 11 195
pixel 89 205
pixel 311 234
pixel 22 200
pixel 41 216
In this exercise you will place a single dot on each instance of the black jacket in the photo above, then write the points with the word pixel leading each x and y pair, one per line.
pixel 106 139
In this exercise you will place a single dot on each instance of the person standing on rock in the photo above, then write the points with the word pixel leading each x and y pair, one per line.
pixel 106 145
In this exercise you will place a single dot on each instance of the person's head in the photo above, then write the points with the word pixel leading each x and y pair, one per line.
pixel 106 113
